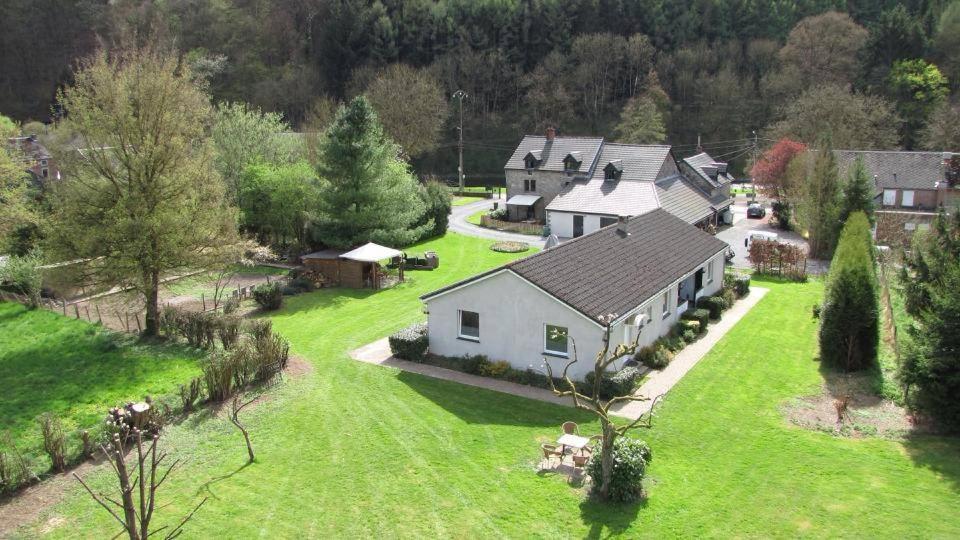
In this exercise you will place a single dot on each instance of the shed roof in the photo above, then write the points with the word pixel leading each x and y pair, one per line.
pixel 524 200
pixel 608 272
pixel 371 252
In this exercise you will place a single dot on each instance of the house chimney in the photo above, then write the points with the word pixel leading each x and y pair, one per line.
pixel 622 226
pixel 894 178
pixel 551 133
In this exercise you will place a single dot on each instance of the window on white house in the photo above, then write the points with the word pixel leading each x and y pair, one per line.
pixel 469 325
pixel 889 197
pixel 555 339
pixel 607 221
pixel 666 304
pixel 907 199
pixel 710 272
pixel 649 318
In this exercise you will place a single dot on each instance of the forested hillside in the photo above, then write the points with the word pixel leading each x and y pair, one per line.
pixel 882 71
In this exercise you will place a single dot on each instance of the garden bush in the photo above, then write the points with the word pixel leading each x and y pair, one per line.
pixel 54 442
pixel 693 326
pixel 612 385
pixel 231 305
pixel 630 459
pixel 410 343
pixel 228 330
pixel 739 283
pixel 302 284
pixel 697 314
pixel 496 370
pixel 268 296
pixel 729 297
pixel 655 356
pixel 474 365
pixel 689 336
pixel 713 304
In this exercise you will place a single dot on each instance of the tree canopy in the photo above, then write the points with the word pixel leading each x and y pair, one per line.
pixel 367 192
pixel 144 200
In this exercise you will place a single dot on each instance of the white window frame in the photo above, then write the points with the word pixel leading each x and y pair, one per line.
pixel 665 304
pixel 460 333
pixel 889 197
pixel 907 198
pixel 710 271
pixel 909 226
pixel 546 334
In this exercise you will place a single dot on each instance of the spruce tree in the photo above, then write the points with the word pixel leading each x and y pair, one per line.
pixel 820 202
pixel 849 320
pixel 367 193
pixel 858 192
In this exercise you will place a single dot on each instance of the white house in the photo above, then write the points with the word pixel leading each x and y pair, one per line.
pixel 643 271
pixel 576 185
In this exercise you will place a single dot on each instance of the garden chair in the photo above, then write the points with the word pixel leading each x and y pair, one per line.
pixel 593 441
pixel 550 451
pixel 570 428
pixel 580 461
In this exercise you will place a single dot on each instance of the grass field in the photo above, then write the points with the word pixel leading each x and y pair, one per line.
pixel 50 363
pixel 204 283
pixel 475 217
pixel 460 201
pixel 355 450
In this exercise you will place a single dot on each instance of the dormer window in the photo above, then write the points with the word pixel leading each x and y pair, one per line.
pixel 613 170
pixel 572 162
pixel 532 160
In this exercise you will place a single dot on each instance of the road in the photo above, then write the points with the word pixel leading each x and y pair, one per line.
pixel 459 224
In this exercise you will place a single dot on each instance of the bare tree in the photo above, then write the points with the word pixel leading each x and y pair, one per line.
pixel 138 487
pixel 235 409
pixel 593 403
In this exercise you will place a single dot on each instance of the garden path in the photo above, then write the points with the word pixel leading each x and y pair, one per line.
pixel 460 225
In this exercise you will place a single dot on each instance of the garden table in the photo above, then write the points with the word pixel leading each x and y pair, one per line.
pixel 573 441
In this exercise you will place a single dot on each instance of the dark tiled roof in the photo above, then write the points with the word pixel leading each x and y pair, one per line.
pixel 606 272
pixel 683 199
pixel 701 160
pixel 913 170
pixel 638 162
pixel 29 147
pixel 553 153
pixel 598 196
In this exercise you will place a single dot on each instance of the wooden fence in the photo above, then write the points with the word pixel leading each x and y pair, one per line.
pixel 511 226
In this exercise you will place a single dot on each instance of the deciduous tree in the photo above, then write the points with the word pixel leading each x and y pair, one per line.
pixel 410 105
pixel 942 131
pixel 851 120
pixel 144 200
pixel 946 43
pixel 641 122
pixel 823 49
pixel 770 170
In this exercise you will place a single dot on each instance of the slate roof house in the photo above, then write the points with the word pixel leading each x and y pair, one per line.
pixel 577 185
pixel 35 157
pixel 910 188
pixel 632 270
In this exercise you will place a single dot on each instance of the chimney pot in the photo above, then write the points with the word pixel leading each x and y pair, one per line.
pixel 551 133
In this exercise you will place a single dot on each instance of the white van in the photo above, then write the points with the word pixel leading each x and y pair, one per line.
pixel 760 235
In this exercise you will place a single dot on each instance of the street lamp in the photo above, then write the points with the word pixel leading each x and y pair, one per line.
pixel 459 95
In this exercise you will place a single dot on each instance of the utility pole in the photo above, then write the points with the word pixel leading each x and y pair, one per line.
pixel 460 94
pixel 756 152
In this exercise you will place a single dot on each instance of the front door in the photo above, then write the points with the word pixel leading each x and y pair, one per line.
pixel 577 226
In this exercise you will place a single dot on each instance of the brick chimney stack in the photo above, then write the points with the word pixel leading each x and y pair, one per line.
pixel 551 133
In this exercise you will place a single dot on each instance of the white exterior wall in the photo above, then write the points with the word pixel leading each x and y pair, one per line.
pixel 513 314
pixel 561 223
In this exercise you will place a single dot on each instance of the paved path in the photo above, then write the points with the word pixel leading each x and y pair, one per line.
pixel 378 353
pixel 659 382
pixel 459 224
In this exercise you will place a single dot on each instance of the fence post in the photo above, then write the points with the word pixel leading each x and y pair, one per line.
pixel 99 319
pixel 203 300
pixel 64 301
pixel 86 308
pixel 76 310
pixel 136 317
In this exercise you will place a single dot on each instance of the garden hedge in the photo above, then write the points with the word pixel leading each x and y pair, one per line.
pixel 410 343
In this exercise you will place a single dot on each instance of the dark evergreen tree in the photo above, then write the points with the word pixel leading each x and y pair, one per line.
pixel 858 192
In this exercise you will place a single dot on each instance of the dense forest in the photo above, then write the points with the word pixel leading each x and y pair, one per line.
pixel 866 73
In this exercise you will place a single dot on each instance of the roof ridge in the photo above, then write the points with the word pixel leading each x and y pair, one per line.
pixel 896 151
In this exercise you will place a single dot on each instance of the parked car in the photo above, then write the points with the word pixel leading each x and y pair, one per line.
pixel 760 235
pixel 756 210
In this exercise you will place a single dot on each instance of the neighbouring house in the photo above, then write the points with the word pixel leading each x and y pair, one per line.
pixel 576 185
pixel 36 159
pixel 636 278
pixel 910 188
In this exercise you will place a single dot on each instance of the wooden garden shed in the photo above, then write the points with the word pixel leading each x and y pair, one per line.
pixel 359 268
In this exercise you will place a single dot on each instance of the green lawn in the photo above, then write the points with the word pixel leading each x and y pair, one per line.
pixel 51 363
pixel 354 450
pixel 460 201
pixel 475 217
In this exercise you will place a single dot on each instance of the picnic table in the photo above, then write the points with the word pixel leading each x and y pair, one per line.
pixel 573 441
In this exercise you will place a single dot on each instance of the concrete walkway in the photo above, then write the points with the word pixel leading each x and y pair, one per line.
pixel 659 382
pixel 459 224
pixel 378 353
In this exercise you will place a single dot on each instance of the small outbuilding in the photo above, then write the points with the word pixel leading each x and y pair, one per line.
pixel 359 268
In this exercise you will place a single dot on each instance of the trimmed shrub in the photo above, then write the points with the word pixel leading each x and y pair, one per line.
pixel 410 343
pixel 850 317
pixel 693 326
pixel 689 336
pixel 475 365
pixel 231 305
pixel 497 369
pixel 620 383
pixel 697 314
pixel 268 296
pixel 729 297
pixel 228 330
pixel 739 283
pixel 655 356
pixel 713 304
pixel 630 459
